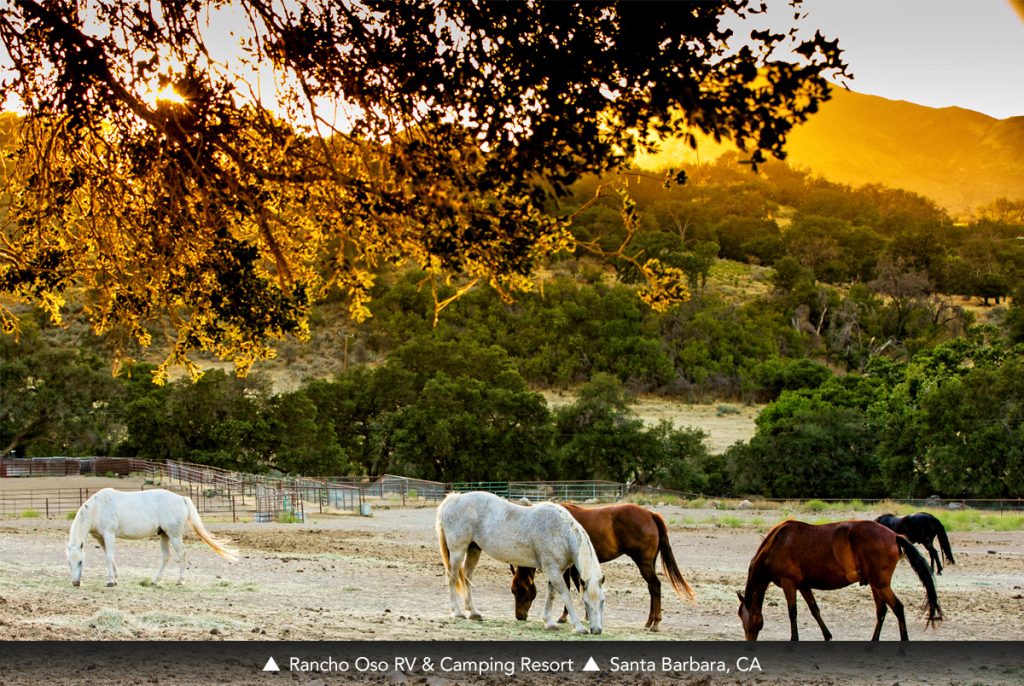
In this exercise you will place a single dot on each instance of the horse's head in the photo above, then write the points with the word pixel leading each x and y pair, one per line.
pixel 76 557
pixel 593 600
pixel 524 589
pixel 751 617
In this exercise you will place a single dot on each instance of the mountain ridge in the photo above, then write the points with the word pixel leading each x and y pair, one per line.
pixel 960 158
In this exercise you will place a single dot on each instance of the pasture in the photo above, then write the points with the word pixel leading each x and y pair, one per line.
pixel 347 577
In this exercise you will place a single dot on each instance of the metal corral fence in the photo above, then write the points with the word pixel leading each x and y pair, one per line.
pixel 579 491
pixel 396 487
pixel 214 491
pixel 224 493
pixel 279 505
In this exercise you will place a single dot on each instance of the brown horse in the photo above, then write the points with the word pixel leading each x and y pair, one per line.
pixel 800 557
pixel 623 529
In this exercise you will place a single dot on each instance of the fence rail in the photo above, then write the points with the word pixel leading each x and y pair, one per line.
pixel 221 492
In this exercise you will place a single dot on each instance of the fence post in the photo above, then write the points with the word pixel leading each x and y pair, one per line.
pixel 47 508
pixel 233 518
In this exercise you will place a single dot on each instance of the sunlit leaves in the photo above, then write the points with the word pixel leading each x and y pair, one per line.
pixel 437 133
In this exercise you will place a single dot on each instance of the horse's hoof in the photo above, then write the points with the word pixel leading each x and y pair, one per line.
pixel 551 626
pixel 653 628
pixel 582 630
pixel 562 620
pixel 111 584
pixel 476 616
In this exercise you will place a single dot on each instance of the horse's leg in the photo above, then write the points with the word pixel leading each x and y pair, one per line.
pixel 933 555
pixel 790 590
pixel 455 559
pixel 472 557
pixel 557 583
pixel 179 550
pixel 881 608
pixel 884 599
pixel 107 543
pixel 549 600
pixel 565 611
pixel 650 575
pixel 165 552
pixel 815 612
pixel 897 609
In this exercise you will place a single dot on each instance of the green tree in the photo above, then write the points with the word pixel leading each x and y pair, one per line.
pixel 465 429
pixel 599 436
pixel 220 216
pixel 54 401
pixel 305 442
pixel 807 446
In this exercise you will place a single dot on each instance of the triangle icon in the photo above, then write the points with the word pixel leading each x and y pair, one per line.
pixel 271 666
pixel 591 666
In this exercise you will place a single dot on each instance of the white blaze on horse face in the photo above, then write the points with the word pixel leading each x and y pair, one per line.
pixel 76 558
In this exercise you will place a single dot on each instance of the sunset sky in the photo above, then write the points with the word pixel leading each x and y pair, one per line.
pixel 968 53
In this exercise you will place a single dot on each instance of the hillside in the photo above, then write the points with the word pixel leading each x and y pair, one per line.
pixel 959 158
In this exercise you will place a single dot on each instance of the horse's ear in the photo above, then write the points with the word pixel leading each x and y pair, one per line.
pixel 740 596
pixel 81 546
pixel 512 568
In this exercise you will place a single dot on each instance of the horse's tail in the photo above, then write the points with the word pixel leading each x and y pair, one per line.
pixel 460 578
pixel 668 561
pixel 218 546
pixel 924 573
pixel 947 551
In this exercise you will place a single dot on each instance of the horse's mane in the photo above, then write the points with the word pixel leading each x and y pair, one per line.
pixel 758 559
pixel 78 530
pixel 586 557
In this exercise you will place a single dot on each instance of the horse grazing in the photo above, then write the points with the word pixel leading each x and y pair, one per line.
pixel 110 514
pixel 615 530
pixel 800 557
pixel 922 528
pixel 543 536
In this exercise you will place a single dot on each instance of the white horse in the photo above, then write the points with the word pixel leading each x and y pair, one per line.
pixel 111 514
pixel 544 536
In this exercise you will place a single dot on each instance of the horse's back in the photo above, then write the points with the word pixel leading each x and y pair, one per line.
pixel 622 528
pixel 139 514
pixel 831 556
pixel 519 535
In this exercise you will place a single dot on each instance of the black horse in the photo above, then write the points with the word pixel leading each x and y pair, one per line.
pixel 922 528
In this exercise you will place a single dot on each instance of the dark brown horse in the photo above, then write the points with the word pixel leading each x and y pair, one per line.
pixel 800 557
pixel 922 528
pixel 623 529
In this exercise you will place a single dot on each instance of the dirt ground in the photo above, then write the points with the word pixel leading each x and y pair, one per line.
pixel 345 578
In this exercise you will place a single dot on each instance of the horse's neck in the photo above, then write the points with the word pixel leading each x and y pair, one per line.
pixel 585 557
pixel 759 576
pixel 80 526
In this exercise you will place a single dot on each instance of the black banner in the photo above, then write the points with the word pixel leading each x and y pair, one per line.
pixel 495 662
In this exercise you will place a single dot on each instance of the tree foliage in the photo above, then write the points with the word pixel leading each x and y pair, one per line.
pixel 425 131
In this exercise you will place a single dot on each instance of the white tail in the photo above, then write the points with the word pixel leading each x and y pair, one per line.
pixel 218 547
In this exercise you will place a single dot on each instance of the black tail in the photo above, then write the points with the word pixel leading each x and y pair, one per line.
pixel 924 573
pixel 668 561
pixel 947 552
